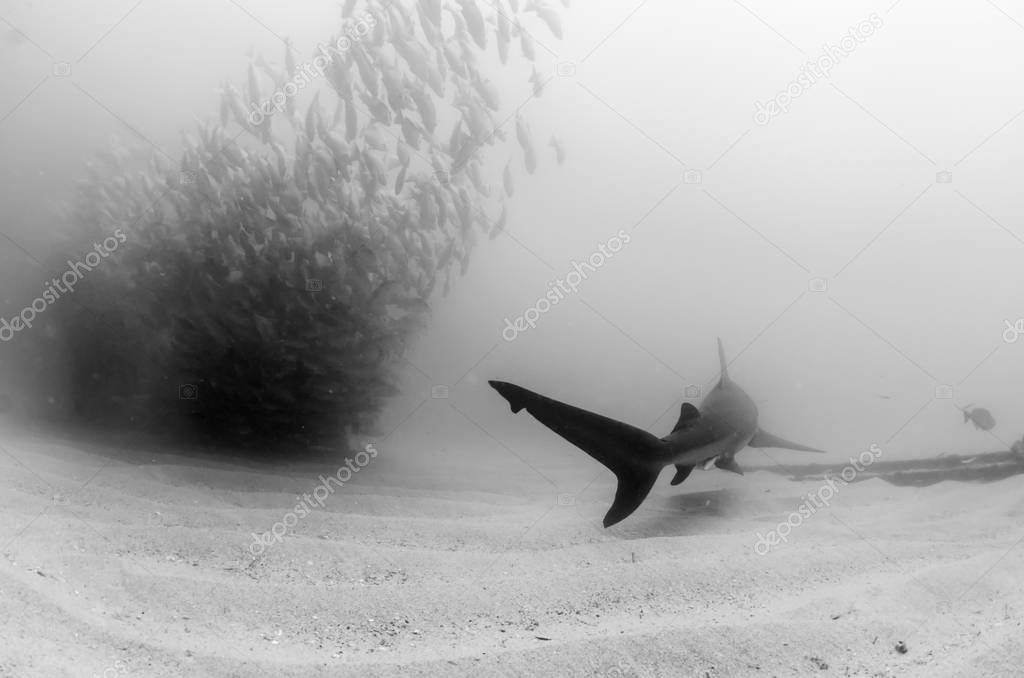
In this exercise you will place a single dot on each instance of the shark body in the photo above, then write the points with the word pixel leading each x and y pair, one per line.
pixel 725 423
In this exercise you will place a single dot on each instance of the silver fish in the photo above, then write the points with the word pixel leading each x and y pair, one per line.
pixel 507 180
pixel 474 22
pixel 548 15
pixel 559 147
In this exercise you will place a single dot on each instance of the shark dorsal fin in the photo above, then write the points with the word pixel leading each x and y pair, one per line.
pixel 687 415
pixel 721 362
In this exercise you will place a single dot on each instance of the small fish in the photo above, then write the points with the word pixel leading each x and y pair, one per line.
pixel 367 71
pixel 400 180
pixel 237 109
pixel 431 30
pixel 375 137
pixel 276 76
pixel 432 9
pixel 338 76
pixel 556 144
pixel 504 35
pixel 548 15
pixel 339 111
pixel 477 120
pixel 404 153
pixel 351 121
pixel 507 180
pixel 980 417
pixel 474 22
pixel 499 225
pixel 313 122
pixel 454 61
pixel 289 58
pixel 380 111
pixel 425 107
pixel 411 131
pixel 254 85
pixel 225 108
pixel 523 132
pixel 339 148
pixel 488 92
pixel 530 160
pixel 455 140
pixel 526 42
pixel 538 82
pixel 476 177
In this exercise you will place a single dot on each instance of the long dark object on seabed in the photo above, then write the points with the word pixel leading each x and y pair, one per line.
pixel 985 467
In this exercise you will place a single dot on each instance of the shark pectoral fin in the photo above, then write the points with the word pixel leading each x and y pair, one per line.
pixel 764 439
pixel 710 463
pixel 635 484
pixel 682 473
pixel 728 464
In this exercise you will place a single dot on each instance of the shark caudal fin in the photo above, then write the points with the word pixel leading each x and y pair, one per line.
pixel 724 379
pixel 764 439
pixel 628 452
pixel 516 396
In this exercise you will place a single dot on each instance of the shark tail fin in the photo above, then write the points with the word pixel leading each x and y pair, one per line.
pixel 517 396
pixel 635 484
pixel 721 362
pixel 628 452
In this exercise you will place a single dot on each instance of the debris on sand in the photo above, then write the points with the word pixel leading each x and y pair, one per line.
pixel 901 647
pixel 819 663
pixel 1018 449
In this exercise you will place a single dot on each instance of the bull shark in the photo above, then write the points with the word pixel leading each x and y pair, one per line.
pixel 709 436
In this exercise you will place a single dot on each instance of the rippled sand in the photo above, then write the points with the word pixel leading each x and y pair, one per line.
pixel 116 568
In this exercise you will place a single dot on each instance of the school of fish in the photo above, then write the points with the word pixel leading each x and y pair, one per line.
pixel 357 195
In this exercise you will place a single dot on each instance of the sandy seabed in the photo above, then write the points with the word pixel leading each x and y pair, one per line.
pixel 128 562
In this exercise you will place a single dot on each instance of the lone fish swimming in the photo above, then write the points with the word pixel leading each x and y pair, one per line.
pixel 725 423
